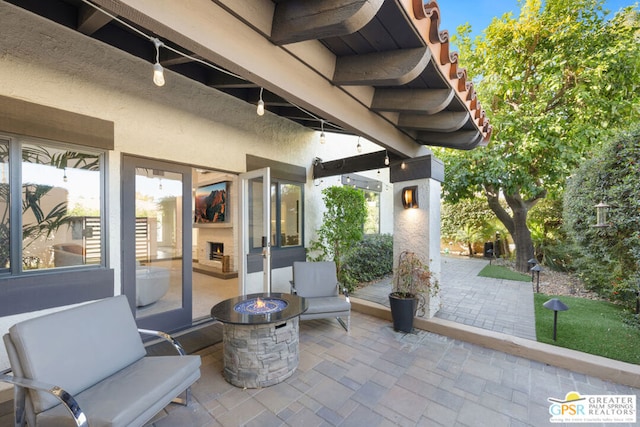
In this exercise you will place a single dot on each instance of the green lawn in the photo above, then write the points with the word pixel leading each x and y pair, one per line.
pixel 500 272
pixel 594 327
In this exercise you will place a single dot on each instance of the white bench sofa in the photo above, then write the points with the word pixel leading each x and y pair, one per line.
pixel 88 364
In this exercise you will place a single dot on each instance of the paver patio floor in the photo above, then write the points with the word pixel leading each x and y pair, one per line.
pixel 374 376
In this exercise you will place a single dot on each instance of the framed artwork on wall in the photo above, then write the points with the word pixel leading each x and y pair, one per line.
pixel 211 204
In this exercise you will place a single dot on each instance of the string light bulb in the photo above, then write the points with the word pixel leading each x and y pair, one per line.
pixel 64 175
pixel 359 146
pixel 403 165
pixel 386 158
pixel 158 71
pixel 260 109
pixel 323 137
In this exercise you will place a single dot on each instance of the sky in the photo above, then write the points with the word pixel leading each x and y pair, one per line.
pixel 479 13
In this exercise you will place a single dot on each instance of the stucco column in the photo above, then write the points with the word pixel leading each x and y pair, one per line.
pixel 418 229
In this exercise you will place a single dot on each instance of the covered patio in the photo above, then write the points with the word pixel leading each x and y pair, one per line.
pixel 381 70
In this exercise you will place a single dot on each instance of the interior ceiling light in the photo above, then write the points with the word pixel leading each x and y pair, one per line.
pixel 323 138
pixel 260 109
pixel 158 71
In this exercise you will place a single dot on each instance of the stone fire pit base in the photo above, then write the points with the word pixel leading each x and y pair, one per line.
pixel 260 355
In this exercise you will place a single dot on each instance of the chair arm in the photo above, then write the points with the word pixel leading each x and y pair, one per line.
pixel 67 400
pixel 165 337
pixel 345 292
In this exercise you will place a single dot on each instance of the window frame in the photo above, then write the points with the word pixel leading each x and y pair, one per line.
pixel 276 216
pixel 29 290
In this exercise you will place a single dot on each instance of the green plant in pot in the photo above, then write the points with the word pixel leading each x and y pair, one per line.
pixel 412 284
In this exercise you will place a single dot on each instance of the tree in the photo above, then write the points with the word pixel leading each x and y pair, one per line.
pixel 342 226
pixel 609 261
pixel 468 221
pixel 555 82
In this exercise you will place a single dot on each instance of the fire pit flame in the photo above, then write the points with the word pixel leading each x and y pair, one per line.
pixel 261 306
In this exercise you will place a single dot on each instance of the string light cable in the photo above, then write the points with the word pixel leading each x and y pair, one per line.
pixel 158 43
pixel 163 45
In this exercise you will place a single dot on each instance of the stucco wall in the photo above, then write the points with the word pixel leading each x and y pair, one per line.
pixel 45 63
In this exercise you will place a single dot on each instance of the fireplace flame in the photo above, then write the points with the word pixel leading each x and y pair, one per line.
pixel 260 303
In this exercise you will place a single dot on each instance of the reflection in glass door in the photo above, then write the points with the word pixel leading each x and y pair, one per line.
pixel 255 238
pixel 157 267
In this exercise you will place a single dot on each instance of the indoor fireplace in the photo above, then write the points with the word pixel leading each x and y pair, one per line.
pixel 216 251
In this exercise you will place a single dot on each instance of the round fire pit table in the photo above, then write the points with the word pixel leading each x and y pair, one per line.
pixel 260 337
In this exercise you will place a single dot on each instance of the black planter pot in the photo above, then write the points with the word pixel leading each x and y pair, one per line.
pixel 403 310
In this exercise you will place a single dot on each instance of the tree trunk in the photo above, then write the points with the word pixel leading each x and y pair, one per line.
pixel 516 224
pixel 521 235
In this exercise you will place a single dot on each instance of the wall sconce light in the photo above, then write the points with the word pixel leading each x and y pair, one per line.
pixel 601 215
pixel 410 197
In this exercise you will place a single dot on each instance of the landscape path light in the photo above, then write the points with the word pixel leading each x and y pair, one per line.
pixel 556 305
pixel 537 269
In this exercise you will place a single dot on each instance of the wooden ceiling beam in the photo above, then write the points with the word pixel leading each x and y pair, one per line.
pixel 428 101
pixel 391 68
pixel 444 121
pixel 461 140
pixel 363 162
pixel 91 20
pixel 226 81
pixel 296 21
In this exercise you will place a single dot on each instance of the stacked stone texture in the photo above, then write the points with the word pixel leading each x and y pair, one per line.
pixel 260 355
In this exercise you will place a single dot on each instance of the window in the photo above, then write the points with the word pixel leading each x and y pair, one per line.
pixel 5 238
pixel 286 214
pixel 57 222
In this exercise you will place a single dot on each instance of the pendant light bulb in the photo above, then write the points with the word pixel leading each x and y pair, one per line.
pixel 386 159
pixel 403 166
pixel 158 74
pixel 64 176
pixel 260 108
pixel 158 71
pixel 359 146
pixel 323 137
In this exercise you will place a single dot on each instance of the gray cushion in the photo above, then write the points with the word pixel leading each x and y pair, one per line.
pixel 132 396
pixel 315 279
pixel 76 348
pixel 327 305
